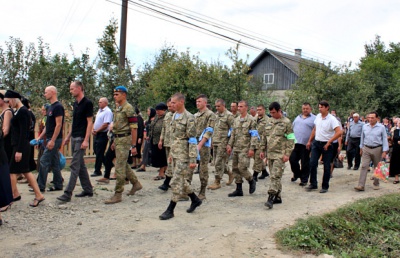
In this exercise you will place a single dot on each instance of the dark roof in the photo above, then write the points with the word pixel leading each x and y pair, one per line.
pixel 292 62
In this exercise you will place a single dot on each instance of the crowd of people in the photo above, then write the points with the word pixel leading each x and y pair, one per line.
pixel 177 142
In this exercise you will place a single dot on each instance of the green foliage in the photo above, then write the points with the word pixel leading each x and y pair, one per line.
pixel 367 228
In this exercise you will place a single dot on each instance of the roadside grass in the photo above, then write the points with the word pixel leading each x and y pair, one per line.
pixel 365 228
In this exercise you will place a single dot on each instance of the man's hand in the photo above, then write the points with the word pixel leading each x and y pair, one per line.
pixel 326 146
pixel 160 144
pixel 50 144
pixel 66 141
pixel 250 153
pixel 228 149
pixel 308 145
pixel 84 145
pixel 383 155
pixel 133 151
pixel 360 152
pixel 139 140
pixel 192 165
pixel 285 158
pixel 345 143
pixel 169 159
pixel 262 156
pixel 112 146
pixel 94 132
pixel 18 156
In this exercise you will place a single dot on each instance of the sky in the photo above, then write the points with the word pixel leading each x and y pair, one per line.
pixel 334 31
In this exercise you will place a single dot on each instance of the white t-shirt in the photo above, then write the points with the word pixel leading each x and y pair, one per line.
pixel 325 127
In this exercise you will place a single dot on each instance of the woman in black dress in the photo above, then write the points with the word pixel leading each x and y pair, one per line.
pixel 151 112
pixel 395 157
pixel 6 197
pixel 158 157
pixel 21 148
pixel 6 114
pixel 32 163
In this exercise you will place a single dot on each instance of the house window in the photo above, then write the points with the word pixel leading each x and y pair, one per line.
pixel 269 78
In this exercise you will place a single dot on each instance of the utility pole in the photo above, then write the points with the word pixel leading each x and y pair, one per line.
pixel 122 38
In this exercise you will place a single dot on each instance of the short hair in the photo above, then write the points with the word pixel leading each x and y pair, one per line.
pixel 179 96
pixel 235 102
pixel 220 101
pixel 79 84
pixel 324 103
pixel 253 107
pixel 274 105
pixel 245 102
pixel 168 100
pixel 25 102
pixel 261 106
pixel 374 112
pixel 202 96
pixel 356 114
pixel 306 104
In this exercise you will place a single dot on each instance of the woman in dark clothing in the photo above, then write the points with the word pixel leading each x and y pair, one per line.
pixel 140 132
pixel 6 114
pixel 151 112
pixel 21 148
pixel 6 197
pixel 158 158
pixel 32 163
pixel 395 157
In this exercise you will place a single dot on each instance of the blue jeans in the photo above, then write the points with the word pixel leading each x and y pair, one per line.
pixel 316 150
pixel 50 159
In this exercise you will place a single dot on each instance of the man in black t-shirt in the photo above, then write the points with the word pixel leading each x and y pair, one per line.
pixel 82 124
pixel 53 131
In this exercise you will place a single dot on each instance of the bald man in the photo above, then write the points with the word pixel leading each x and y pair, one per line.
pixel 100 129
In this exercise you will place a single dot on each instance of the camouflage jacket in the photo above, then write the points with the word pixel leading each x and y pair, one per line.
pixel 124 119
pixel 261 122
pixel 223 123
pixel 241 138
pixel 277 138
pixel 204 120
pixel 183 137
pixel 166 129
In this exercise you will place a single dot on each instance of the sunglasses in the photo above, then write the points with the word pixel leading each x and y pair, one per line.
pixel 6 101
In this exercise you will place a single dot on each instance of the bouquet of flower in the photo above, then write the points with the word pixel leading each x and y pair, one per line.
pixel 382 171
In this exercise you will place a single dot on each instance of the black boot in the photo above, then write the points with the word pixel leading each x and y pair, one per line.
pixel 264 174
pixel 255 175
pixel 165 185
pixel 169 213
pixel 277 200
pixel 270 202
pixel 237 192
pixel 252 186
pixel 196 202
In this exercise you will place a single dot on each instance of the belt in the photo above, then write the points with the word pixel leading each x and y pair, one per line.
pixel 102 132
pixel 372 147
pixel 320 142
pixel 122 135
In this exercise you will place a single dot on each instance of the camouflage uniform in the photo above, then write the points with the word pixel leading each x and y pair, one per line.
pixel 278 139
pixel 241 142
pixel 223 123
pixel 182 152
pixel 124 120
pixel 204 120
pixel 259 165
pixel 165 137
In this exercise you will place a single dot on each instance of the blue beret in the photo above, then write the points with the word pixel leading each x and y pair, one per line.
pixel 121 89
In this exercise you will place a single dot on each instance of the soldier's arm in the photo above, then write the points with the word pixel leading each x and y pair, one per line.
pixel 210 126
pixel 290 140
pixel 191 134
pixel 254 142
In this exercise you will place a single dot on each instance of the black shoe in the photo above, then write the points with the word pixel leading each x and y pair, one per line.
pixel 169 213
pixel 270 202
pixel 84 194
pixel 323 190
pixel 52 189
pixel 355 168
pixel 348 167
pixel 95 174
pixel 264 174
pixel 255 176
pixel 196 202
pixel 278 200
pixel 252 186
pixel 293 179
pixel 17 198
pixel 302 184
pixel 165 185
pixel 64 198
pixel 237 192
pixel 311 187
pixel 41 190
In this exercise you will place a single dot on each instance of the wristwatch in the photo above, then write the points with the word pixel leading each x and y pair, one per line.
pixel 133 146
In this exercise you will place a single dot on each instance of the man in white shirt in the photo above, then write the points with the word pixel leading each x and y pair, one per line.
pixel 325 132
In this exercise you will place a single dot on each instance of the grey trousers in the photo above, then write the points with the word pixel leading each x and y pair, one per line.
pixel 78 168
pixel 368 155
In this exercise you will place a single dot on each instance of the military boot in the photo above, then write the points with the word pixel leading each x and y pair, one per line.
pixel 169 213
pixel 216 185
pixel 278 198
pixel 264 174
pixel 165 185
pixel 252 186
pixel 202 193
pixel 270 202
pixel 255 175
pixel 115 199
pixel 135 187
pixel 237 192
pixel 196 202
pixel 231 177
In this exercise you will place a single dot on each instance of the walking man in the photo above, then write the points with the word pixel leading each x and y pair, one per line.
pixel 278 140
pixel 325 132
pixel 205 122
pixel 182 156
pixel 374 147
pixel 82 124
pixel 223 124
pixel 124 128
pixel 100 129
pixel 302 127
pixel 353 138
pixel 243 141
pixel 50 159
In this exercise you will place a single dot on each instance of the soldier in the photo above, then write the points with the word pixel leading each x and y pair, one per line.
pixel 166 142
pixel 243 141
pixel 259 165
pixel 223 126
pixel 182 155
pixel 234 109
pixel 205 121
pixel 278 138
pixel 124 128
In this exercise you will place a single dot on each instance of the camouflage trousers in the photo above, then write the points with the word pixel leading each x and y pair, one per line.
pixel 122 168
pixel 221 161
pixel 168 172
pixel 203 163
pixel 276 167
pixel 240 165
pixel 258 165
pixel 180 183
